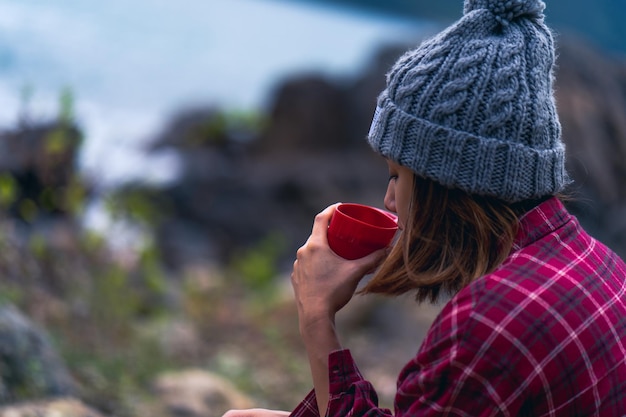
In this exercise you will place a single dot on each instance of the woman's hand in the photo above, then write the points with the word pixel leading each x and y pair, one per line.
pixel 323 281
pixel 256 412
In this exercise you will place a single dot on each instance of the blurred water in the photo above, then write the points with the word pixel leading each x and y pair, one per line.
pixel 132 63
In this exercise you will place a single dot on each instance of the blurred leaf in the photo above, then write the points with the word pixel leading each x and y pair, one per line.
pixel 37 245
pixel 75 196
pixel 258 266
pixel 28 210
pixel 48 200
pixel 223 126
pixel 154 278
pixel 11 294
pixel 58 141
pixel 8 190
pixel 135 204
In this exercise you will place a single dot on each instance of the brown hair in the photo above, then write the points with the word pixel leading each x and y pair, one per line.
pixel 451 239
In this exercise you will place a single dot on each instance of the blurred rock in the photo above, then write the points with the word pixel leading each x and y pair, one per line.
pixel 591 94
pixel 40 160
pixel 178 339
pixel 232 198
pixel 30 368
pixel 309 113
pixel 197 393
pixel 591 98
pixel 64 407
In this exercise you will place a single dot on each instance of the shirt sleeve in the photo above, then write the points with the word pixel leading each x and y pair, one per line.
pixel 349 392
pixel 306 408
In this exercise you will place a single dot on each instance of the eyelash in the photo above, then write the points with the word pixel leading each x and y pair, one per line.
pixel 392 177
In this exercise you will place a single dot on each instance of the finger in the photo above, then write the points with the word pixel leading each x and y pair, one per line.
pixel 256 412
pixel 235 413
pixel 323 218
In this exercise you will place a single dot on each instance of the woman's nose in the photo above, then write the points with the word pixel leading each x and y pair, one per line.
pixel 389 201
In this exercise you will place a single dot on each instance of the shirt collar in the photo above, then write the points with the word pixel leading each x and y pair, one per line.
pixel 540 221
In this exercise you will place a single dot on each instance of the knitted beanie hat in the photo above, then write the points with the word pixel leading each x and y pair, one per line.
pixel 473 107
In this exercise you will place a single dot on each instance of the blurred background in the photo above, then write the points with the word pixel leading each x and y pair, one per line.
pixel 161 162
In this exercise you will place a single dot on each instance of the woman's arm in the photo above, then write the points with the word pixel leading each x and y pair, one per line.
pixel 323 284
pixel 320 339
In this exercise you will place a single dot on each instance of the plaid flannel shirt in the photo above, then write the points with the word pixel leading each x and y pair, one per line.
pixel 543 335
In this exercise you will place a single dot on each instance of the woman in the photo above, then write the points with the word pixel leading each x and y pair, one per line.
pixel 536 322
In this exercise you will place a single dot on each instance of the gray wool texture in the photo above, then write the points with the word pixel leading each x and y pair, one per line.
pixel 473 107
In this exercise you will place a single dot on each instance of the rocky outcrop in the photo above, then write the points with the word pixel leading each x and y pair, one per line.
pixel 37 169
pixel 591 98
pixel 309 114
pixel 591 95
pixel 232 197
pixel 29 365
pixel 196 393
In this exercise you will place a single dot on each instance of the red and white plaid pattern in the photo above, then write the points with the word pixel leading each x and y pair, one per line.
pixel 543 335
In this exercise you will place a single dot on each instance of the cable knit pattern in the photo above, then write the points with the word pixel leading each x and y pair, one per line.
pixel 473 107
pixel 412 75
pixel 456 92
pixel 502 106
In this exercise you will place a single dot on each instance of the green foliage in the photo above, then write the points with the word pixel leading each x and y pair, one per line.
pixel 11 294
pixel 28 380
pixel 119 298
pixel 58 141
pixel 74 196
pixel 92 243
pixel 38 246
pixel 154 278
pixel 235 369
pixel 223 126
pixel 136 204
pixel 68 199
pixel 8 190
pixel 212 131
pixel 258 266
pixel 113 302
pixel 248 120
pixel 115 377
pixel 63 137
pixel 203 295
pixel 48 199
pixel 104 348
pixel 28 209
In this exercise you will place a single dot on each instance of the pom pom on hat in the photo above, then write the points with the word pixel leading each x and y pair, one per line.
pixel 506 11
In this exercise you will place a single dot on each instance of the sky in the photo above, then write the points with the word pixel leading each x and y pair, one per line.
pixel 132 64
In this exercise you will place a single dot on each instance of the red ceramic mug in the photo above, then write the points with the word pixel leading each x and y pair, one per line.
pixel 356 230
